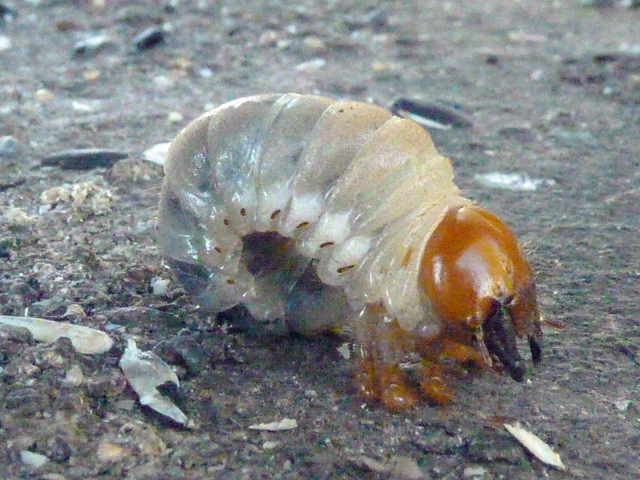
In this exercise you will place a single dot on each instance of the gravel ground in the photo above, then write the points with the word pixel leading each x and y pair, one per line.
pixel 552 90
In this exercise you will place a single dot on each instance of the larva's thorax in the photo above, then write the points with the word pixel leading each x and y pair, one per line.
pixel 314 212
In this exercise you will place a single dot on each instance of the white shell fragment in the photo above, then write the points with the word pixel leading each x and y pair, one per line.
pixel 345 350
pixel 146 371
pixel 157 154
pixel 284 424
pixel 84 339
pixel 513 181
pixel 537 447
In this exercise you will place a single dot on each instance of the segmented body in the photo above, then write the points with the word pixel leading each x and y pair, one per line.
pixel 309 211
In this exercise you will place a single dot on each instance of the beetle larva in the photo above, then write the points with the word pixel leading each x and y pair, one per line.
pixel 337 215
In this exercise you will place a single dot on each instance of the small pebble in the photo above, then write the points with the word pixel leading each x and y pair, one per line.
pixel 526 37
pixel 91 75
pixel 75 310
pixel 43 95
pixel 92 46
pixel 312 65
pixel 622 405
pixel 175 117
pixel 314 44
pixel 33 459
pixel 83 159
pixel 8 146
pixel 74 377
pixel 513 181
pixel 537 75
pixel 5 43
pixel 53 476
pixel 149 38
pixel 110 453
pixel 162 82
pixel 159 286
pixel 474 471
pixel 430 114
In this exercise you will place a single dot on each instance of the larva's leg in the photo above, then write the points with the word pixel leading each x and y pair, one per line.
pixel 461 353
pixel 383 346
pixel 432 374
pixel 431 377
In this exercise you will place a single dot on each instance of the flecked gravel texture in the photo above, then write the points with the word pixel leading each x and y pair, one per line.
pixel 552 90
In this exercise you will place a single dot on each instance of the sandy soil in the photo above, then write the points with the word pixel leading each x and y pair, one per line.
pixel 553 92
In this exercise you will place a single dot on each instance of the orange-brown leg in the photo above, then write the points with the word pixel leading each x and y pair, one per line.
pixel 396 393
pixel 461 353
pixel 432 374
pixel 431 379
pixel 383 347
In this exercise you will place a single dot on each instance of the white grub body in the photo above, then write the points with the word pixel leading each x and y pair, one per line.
pixel 304 210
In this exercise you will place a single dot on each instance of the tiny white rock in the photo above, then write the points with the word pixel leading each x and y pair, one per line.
pixel 344 350
pixel 513 181
pixel 159 286
pixel 284 424
pixel 622 405
pixel 33 459
pixel 536 446
pixel 73 377
pixel 474 471
pixel 5 43
pixel 312 65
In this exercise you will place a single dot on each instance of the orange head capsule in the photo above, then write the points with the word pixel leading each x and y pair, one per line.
pixel 478 282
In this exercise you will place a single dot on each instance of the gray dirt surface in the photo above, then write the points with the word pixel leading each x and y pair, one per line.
pixel 553 91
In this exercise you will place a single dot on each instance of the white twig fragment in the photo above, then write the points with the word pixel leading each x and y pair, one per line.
pixel 84 339
pixel 537 447
pixel 284 424
pixel 146 371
